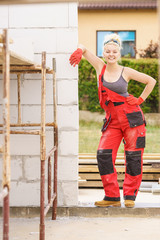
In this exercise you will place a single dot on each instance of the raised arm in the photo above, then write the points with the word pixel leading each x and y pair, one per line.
pixel 143 78
pixel 95 61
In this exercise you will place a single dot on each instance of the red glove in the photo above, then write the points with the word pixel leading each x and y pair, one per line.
pixel 131 100
pixel 75 58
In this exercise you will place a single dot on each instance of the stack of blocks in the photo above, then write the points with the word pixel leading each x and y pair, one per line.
pixel 52 28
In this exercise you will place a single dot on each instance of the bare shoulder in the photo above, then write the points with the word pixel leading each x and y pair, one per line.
pixel 133 74
pixel 129 70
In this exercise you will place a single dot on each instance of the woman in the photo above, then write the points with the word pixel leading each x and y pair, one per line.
pixel 124 120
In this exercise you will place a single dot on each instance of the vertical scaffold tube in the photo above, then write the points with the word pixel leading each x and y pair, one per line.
pixel 49 179
pixel 43 147
pixel 19 97
pixel 54 209
pixel 6 132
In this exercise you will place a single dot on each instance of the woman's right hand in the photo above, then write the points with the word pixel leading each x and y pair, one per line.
pixel 75 58
pixel 131 100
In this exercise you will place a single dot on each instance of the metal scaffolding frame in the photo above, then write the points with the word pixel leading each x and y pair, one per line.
pixel 19 69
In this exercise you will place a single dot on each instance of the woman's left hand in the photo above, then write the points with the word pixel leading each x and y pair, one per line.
pixel 131 100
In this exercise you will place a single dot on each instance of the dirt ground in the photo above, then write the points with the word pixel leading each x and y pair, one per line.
pixel 74 228
pixel 79 228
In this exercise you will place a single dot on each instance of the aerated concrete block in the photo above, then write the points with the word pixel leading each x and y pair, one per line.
pixel 73 14
pixel 16 168
pixel 68 193
pixel 38 15
pixel 67 168
pixel 32 168
pixel 68 143
pixel 65 35
pixel 43 39
pixel 64 69
pixel 29 144
pixel 31 92
pixel 68 117
pixel 67 92
pixel 25 194
pixel 3 17
pixel 32 113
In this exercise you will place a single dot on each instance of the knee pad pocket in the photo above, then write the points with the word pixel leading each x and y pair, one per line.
pixel 105 164
pixel 135 119
pixel 140 143
pixel 141 140
pixel 133 162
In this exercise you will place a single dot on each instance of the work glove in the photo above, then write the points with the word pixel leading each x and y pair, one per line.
pixel 131 100
pixel 75 58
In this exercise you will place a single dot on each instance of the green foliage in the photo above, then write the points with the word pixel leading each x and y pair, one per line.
pixel 88 89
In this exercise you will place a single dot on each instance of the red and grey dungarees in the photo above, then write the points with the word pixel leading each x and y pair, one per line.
pixel 122 121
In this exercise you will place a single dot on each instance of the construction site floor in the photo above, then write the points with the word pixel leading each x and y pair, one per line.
pixel 87 222
pixel 78 228
pixel 87 197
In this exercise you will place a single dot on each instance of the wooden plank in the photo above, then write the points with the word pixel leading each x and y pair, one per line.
pixel 27 68
pixel 118 169
pixel 118 154
pixel 95 157
pixel 150 177
pixel 11 2
pixel 19 64
pixel 89 173
pixel 95 184
pixel 90 184
pixel 156 165
pixel 24 132
pixel 1 39
pixel 30 125
pixel 118 162
pixel 94 176
pixel 16 59
pixel 148 156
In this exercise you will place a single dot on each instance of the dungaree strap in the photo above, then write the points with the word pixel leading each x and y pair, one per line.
pixel 100 84
pixel 122 71
pixel 103 70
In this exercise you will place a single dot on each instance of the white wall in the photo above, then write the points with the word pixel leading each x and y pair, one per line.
pixel 52 28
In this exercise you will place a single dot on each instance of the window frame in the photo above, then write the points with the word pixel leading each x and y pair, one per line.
pixel 115 31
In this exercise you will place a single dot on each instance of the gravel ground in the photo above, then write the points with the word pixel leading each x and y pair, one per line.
pixel 74 228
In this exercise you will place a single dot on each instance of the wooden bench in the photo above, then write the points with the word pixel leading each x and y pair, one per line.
pixel 89 174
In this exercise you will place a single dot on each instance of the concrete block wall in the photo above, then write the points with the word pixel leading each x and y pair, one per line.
pixel 52 28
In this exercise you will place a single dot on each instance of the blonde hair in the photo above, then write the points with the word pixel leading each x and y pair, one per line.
pixel 113 39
